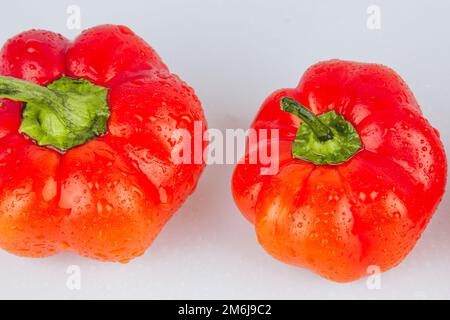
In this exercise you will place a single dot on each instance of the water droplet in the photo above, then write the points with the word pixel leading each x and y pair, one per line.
pixel 362 196
pixel 104 208
pixel 64 245
pixel 124 132
pixel 163 75
pixel 138 82
pixel 101 235
pixel 162 195
pixel 49 190
pixel 373 195
pixel 185 122
pixel 138 191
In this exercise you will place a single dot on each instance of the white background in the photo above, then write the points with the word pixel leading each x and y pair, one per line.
pixel 235 53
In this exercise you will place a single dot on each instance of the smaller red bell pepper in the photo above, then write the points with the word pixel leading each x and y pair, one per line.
pixel 361 172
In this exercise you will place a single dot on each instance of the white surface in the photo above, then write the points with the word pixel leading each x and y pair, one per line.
pixel 235 53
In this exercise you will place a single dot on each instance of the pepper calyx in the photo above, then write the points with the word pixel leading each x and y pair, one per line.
pixel 326 139
pixel 65 114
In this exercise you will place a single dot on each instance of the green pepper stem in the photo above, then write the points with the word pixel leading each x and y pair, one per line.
pixel 67 113
pixel 321 131
pixel 29 92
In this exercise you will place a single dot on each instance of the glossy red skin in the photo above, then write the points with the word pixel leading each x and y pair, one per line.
pixel 371 210
pixel 109 198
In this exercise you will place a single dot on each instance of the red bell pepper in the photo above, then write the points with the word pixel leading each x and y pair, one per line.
pixel 359 178
pixel 85 163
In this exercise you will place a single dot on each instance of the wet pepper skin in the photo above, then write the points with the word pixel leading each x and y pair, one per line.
pixel 371 210
pixel 109 198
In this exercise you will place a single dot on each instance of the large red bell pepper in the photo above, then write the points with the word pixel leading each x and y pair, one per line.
pixel 357 184
pixel 85 163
